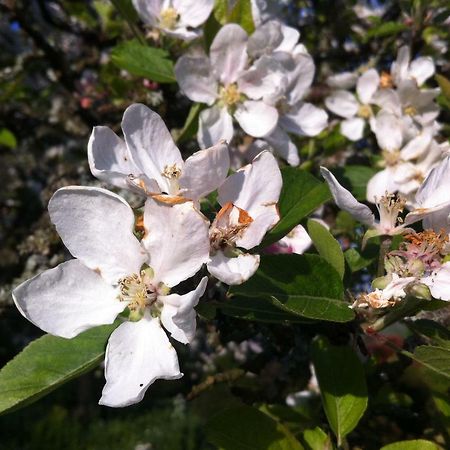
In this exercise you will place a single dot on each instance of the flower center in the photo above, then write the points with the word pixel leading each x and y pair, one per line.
pixel 283 106
pixel 410 110
pixel 168 18
pixel 391 158
pixel 140 293
pixel 365 111
pixel 389 207
pixel 229 95
pixel 172 173
pixel 386 80
pixel 228 226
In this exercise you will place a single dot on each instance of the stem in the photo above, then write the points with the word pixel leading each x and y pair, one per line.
pixel 385 245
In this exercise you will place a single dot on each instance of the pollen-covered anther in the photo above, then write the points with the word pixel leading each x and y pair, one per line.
pixel 391 158
pixel 390 206
pixel 386 80
pixel 365 111
pixel 229 95
pixel 171 172
pixel 168 18
pixel 137 291
pixel 410 110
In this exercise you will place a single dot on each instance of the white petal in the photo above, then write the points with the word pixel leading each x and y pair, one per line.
pixel 343 80
pixel 388 131
pixel 399 68
pixel 388 100
pixel 301 78
pixel 109 158
pixel 421 69
pixel 176 239
pixel 193 12
pixel 265 39
pixel 67 300
pixel 382 182
pixel 435 190
pixel 256 118
pixel 298 240
pixel 205 171
pixel 353 128
pixel 439 282
pixel 150 143
pixel 228 53
pixel 290 39
pixel 195 78
pixel 182 32
pixel 283 145
pixel 148 10
pixel 233 270
pixel 178 314
pixel 255 188
pixel 97 226
pixel 367 85
pixel 305 120
pixel 138 353
pixel 215 124
pixel 342 103
pixel 345 200
pixel 416 147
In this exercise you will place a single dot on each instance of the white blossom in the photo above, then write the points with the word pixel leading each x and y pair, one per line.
pixel 112 271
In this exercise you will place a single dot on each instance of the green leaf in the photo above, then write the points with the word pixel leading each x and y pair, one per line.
pixel 444 84
pixel 433 357
pixel 301 194
pixel 355 179
pixel 303 285
pixel 240 13
pixel 317 439
pixel 417 444
pixel 190 127
pixel 246 428
pixel 7 138
pixel 48 362
pixel 432 330
pixel 327 246
pixel 385 29
pixel 342 385
pixel 357 261
pixel 258 310
pixel 144 61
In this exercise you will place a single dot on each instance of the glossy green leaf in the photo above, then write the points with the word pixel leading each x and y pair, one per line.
pixel 48 362
pixel 444 84
pixel 144 61
pixel 246 428
pixel 7 138
pixel 342 385
pixel 355 179
pixel 301 194
pixel 327 246
pixel 317 439
pixel 416 444
pixel 431 330
pixel 303 285
pixel 385 29
pixel 357 261
pixel 433 357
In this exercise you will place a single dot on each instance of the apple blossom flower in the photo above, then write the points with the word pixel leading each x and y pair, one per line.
pixel 356 110
pixel 389 206
pixel 113 271
pixel 217 81
pixel 249 209
pixel 148 161
pixel 418 70
pixel 177 18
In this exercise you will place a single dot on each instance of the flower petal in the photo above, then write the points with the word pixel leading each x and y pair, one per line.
pixel 283 145
pixel 233 270
pixel 388 131
pixel 265 39
pixel 382 182
pixel 439 282
pixel 176 239
pixel 353 129
pixel 399 68
pixel 421 69
pixel 228 53
pixel 67 300
pixel 138 353
pixel 109 158
pixel 205 171
pixel 215 124
pixel 178 314
pixel 290 39
pixel 305 119
pixel 195 78
pixel 342 103
pixel 343 80
pixel 193 12
pixel 148 10
pixel 150 143
pixel 256 118
pixel 345 200
pixel 97 226
pixel 367 85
